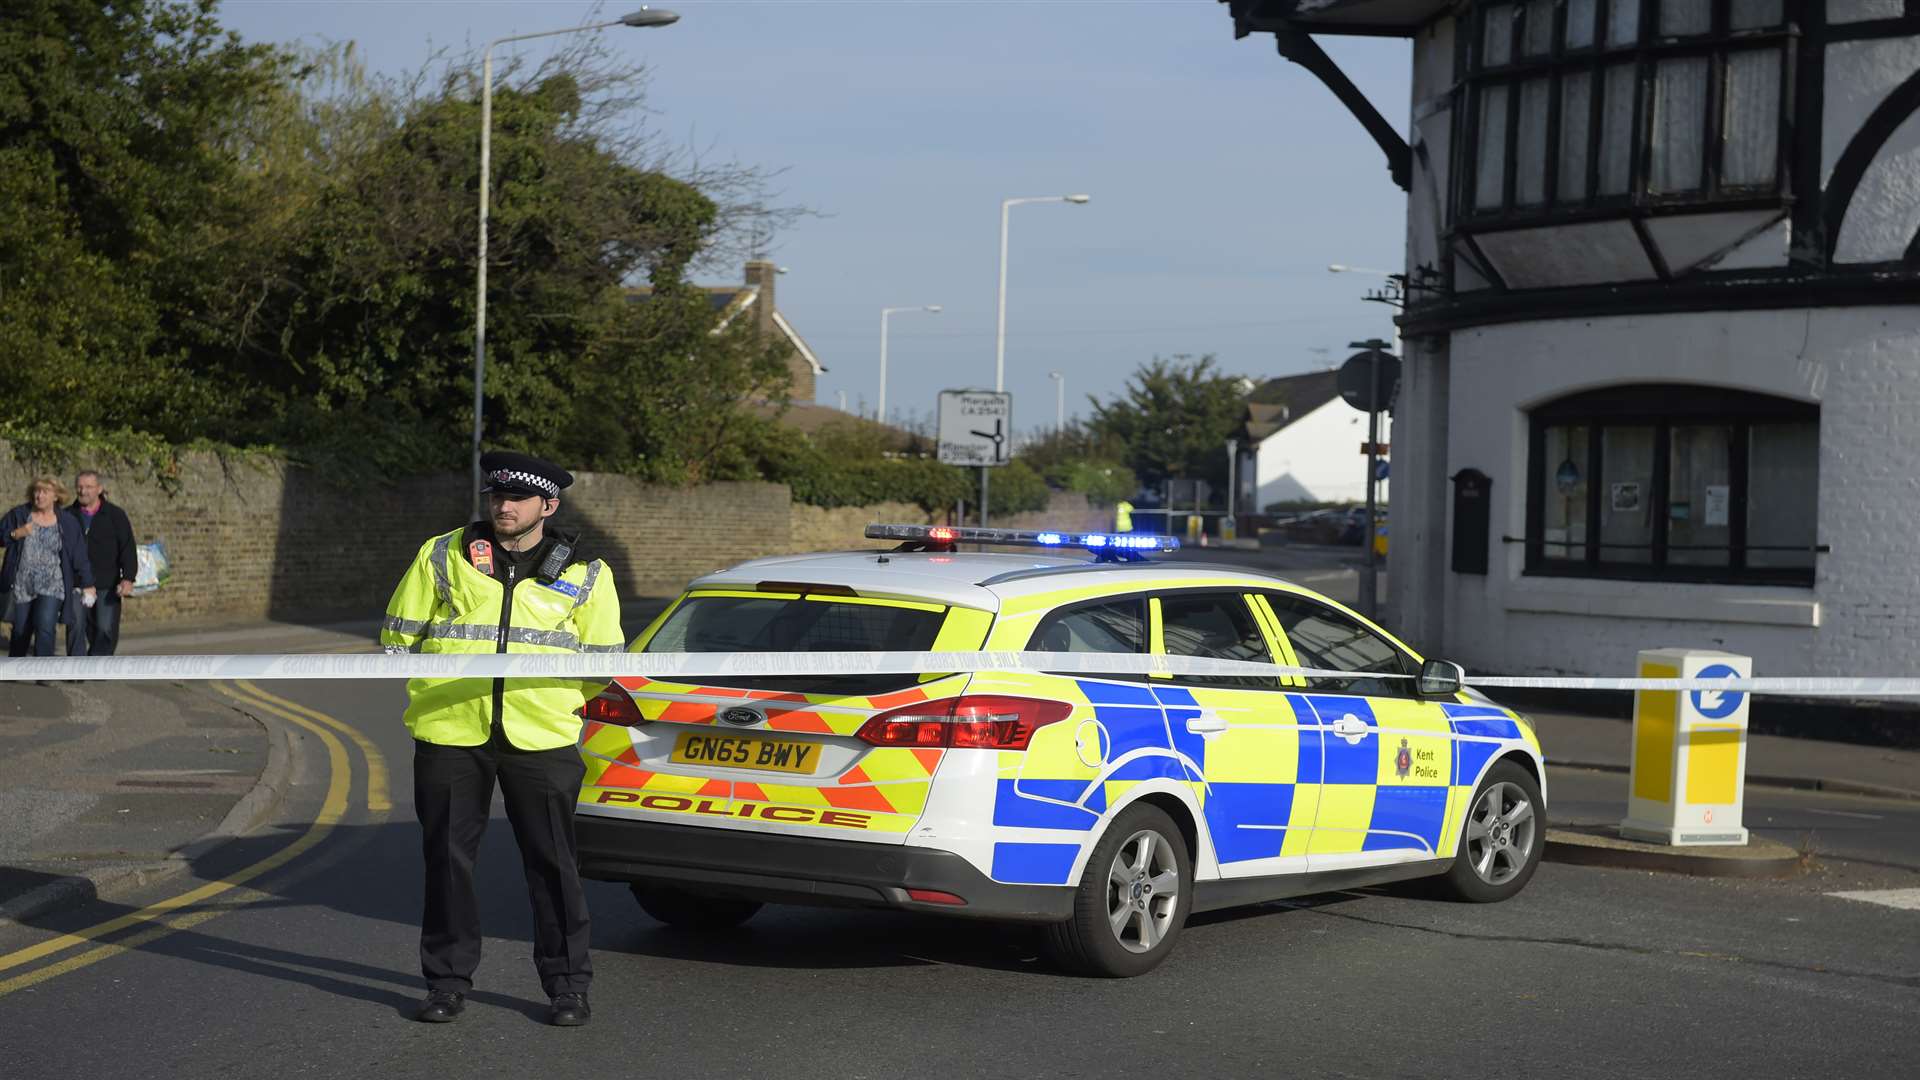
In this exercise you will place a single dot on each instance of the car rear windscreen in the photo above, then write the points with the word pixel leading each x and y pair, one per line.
pixel 800 625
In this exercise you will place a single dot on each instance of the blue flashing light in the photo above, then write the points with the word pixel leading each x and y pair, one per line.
pixel 1107 547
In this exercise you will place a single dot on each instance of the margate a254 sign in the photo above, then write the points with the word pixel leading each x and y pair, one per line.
pixel 976 427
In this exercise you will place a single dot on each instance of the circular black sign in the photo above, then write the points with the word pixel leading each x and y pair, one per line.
pixel 1354 377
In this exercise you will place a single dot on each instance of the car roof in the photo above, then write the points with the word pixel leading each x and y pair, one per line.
pixel 973 579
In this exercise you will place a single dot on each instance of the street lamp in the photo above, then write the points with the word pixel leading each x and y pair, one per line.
pixel 1059 400
pixel 645 17
pixel 881 415
pixel 1000 342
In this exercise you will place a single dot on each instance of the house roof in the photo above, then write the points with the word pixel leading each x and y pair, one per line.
pixel 730 301
pixel 1278 402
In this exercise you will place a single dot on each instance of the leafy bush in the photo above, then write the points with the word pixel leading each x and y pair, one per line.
pixel 1015 488
pixel 1099 481
pixel 821 479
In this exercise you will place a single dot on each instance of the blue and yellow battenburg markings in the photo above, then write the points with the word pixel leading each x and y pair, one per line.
pixel 1266 789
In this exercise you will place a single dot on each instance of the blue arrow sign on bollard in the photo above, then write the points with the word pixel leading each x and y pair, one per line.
pixel 1717 704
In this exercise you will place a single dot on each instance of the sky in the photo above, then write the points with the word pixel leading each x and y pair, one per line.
pixel 1224 180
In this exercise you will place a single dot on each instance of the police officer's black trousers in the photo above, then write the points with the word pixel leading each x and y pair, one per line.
pixel 452 793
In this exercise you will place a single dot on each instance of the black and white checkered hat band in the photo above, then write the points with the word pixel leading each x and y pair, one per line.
pixel 514 476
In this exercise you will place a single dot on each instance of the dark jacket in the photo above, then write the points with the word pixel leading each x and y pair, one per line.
pixel 76 569
pixel 109 544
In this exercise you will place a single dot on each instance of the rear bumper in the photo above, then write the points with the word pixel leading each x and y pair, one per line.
pixel 803 870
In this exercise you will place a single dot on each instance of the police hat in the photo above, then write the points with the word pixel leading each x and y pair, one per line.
pixel 512 473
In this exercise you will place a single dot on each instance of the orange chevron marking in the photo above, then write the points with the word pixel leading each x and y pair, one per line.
pixel 855 775
pixel 857 798
pixel 776 695
pixel 899 698
pixel 798 721
pixel 715 787
pixel 625 776
pixel 929 759
pixel 750 792
pixel 689 712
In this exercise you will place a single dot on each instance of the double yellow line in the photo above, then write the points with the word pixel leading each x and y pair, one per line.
pixel 185 910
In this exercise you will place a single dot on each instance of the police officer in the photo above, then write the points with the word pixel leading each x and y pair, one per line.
pixel 506 584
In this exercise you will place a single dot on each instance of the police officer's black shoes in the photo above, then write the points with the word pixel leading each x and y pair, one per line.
pixel 441 1007
pixel 569 1010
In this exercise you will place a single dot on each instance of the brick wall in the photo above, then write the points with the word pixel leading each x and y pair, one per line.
pixel 255 538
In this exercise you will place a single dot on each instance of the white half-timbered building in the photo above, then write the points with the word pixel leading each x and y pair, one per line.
pixel 1662 330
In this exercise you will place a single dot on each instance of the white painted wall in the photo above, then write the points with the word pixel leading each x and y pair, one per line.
pixel 1862 365
pixel 1317 456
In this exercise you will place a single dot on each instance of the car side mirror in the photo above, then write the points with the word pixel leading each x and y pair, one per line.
pixel 1440 679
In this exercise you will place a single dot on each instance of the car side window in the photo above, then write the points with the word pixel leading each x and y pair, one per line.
pixel 1324 638
pixel 1105 626
pixel 1219 626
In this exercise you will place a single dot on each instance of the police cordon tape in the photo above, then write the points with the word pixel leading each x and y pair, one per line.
pixel 696 666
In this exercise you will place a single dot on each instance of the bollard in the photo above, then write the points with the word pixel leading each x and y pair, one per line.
pixel 1689 764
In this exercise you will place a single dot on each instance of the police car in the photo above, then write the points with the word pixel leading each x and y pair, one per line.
pixel 1108 808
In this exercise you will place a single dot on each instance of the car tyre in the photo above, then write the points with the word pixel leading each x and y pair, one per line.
pixel 1124 920
pixel 1501 840
pixel 686 911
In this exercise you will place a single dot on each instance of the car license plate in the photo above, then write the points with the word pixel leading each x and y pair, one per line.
pixel 746 752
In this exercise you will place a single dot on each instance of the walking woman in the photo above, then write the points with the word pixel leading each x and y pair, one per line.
pixel 46 561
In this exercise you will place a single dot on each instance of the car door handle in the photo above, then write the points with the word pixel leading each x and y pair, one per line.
pixel 1351 728
pixel 1206 724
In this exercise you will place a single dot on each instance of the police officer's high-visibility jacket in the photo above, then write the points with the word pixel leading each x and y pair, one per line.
pixel 445 605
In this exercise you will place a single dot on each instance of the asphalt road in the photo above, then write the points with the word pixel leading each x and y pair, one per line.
pixel 309 968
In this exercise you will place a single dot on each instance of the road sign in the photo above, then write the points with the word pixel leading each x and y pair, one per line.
pixel 1717 704
pixel 976 427
pixel 1354 378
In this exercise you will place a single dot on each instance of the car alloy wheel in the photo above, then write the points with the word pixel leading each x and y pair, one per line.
pixel 1143 891
pixel 1501 832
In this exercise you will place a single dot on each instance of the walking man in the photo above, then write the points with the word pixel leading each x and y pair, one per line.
pixel 95 631
pixel 506 584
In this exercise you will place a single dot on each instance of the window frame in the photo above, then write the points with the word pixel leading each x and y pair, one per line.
pixel 1409 666
pixel 1157 631
pixel 1716 45
pixel 1139 600
pixel 1661 407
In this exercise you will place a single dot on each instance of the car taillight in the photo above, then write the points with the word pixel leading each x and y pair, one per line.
pixel 972 722
pixel 613 706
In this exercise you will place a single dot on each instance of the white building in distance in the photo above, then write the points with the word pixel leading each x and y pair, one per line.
pixel 1301 443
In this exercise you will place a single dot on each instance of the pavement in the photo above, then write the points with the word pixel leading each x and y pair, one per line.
pixel 109 785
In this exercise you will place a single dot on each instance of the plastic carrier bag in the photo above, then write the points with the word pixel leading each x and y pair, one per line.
pixel 155 570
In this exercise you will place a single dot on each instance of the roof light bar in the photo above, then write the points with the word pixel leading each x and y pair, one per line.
pixel 1131 545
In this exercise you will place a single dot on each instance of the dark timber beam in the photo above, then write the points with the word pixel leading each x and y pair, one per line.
pixel 1296 45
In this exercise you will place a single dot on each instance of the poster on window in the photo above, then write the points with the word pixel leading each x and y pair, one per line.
pixel 1626 496
pixel 1717 499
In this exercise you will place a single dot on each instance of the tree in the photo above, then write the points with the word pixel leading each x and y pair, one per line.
pixel 1174 419
pixel 117 197
pixel 1077 458
pixel 205 239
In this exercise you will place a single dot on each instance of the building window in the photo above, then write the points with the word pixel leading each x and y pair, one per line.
pixel 1578 105
pixel 1674 483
